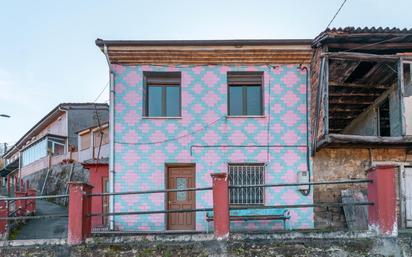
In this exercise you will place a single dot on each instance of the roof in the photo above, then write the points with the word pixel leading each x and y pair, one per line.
pixel 92 127
pixel 378 38
pixel 231 42
pixel 241 51
pixel 47 119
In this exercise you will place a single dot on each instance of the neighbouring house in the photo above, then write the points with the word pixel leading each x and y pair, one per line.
pixel 361 113
pixel 182 110
pixel 52 141
pixel 93 154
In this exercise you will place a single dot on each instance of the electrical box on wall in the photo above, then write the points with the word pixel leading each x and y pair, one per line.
pixel 303 177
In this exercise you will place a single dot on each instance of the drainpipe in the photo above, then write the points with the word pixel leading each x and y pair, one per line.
pixel 111 140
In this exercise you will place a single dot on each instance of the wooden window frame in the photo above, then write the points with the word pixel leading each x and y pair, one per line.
pixel 163 79
pixel 250 79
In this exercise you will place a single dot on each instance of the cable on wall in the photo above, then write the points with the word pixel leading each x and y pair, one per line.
pixel 174 138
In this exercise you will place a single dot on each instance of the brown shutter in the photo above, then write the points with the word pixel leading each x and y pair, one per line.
pixel 244 78
pixel 162 78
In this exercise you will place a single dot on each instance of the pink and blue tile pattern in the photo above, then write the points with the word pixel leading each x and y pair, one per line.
pixel 140 160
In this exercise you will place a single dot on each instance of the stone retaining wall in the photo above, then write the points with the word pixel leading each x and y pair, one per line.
pixel 240 245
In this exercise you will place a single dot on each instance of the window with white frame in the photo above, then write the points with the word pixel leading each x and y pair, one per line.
pixel 40 149
pixel 246 174
pixel 56 146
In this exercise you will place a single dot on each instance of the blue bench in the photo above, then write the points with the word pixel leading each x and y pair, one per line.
pixel 256 214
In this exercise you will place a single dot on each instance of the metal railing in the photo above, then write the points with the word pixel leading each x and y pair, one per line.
pixel 13 213
pixel 324 204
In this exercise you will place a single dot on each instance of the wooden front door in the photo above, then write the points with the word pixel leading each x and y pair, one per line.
pixel 180 178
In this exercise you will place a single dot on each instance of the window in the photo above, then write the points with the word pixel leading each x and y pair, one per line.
pixel 407 78
pixel 34 152
pixel 85 141
pixel 102 135
pixel 41 148
pixel 384 126
pixel 245 96
pixel 246 174
pixel 162 94
pixel 56 145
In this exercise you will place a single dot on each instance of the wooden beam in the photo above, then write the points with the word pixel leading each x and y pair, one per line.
pixel 357 85
pixel 350 101
pixel 340 117
pixel 354 94
pixel 337 138
pixel 361 57
pixel 382 46
pixel 337 109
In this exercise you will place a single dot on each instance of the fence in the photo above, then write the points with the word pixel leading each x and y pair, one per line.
pixel 381 203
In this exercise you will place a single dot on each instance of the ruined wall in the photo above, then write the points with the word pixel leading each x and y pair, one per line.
pixel 338 164
pixel 57 180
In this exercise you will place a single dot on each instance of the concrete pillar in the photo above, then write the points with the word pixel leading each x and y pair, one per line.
pixel 79 226
pixel 221 205
pixel 4 213
pixel 31 204
pixel 20 204
pixel 382 191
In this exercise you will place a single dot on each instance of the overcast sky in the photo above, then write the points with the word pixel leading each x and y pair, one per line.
pixel 48 55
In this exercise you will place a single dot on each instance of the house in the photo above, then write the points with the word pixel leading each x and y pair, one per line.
pixel 361 112
pixel 51 141
pixel 93 154
pixel 181 110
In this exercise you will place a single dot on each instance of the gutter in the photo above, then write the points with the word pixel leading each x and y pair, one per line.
pixel 236 42
pixel 111 139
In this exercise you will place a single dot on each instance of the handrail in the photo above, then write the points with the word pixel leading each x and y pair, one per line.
pixel 336 182
pixel 153 191
pixel 34 197
pixel 148 212
pixel 56 215
pixel 329 204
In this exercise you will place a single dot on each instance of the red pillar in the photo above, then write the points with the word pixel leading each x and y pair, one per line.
pixel 31 204
pixel 221 205
pixel 382 191
pixel 4 212
pixel 8 184
pixel 20 204
pixel 79 226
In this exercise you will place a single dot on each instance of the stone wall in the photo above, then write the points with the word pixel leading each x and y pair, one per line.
pixel 251 246
pixel 57 180
pixel 339 164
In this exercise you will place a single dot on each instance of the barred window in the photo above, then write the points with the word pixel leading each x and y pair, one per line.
pixel 246 174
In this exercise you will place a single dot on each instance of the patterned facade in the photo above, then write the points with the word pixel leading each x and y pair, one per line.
pixel 144 146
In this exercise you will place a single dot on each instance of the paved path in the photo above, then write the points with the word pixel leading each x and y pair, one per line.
pixel 45 228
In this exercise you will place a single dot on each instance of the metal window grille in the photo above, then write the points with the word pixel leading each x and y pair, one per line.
pixel 246 174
